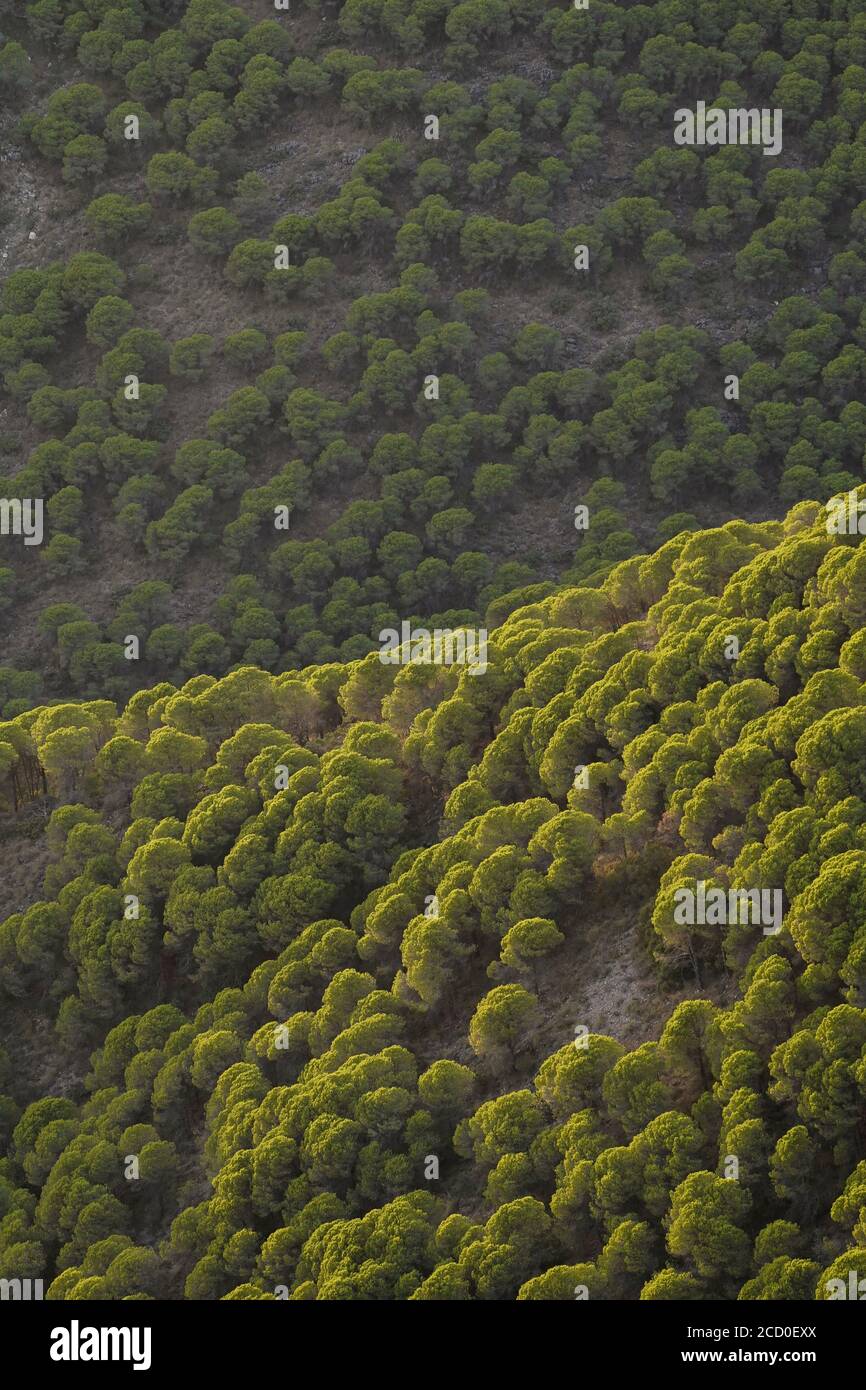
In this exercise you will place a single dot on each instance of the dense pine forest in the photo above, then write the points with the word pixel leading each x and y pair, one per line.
pixel 433 684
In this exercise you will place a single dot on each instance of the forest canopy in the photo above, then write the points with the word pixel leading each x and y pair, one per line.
pixel 324 1019
pixel 433 690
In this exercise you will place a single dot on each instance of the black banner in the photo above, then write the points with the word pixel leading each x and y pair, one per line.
pixel 141 1338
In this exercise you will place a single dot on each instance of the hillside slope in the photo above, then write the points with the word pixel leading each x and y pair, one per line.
pixel 344 946
pixel 299 339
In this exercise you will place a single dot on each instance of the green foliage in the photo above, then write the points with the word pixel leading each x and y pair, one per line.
pixel 265 888
pixel 114 218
